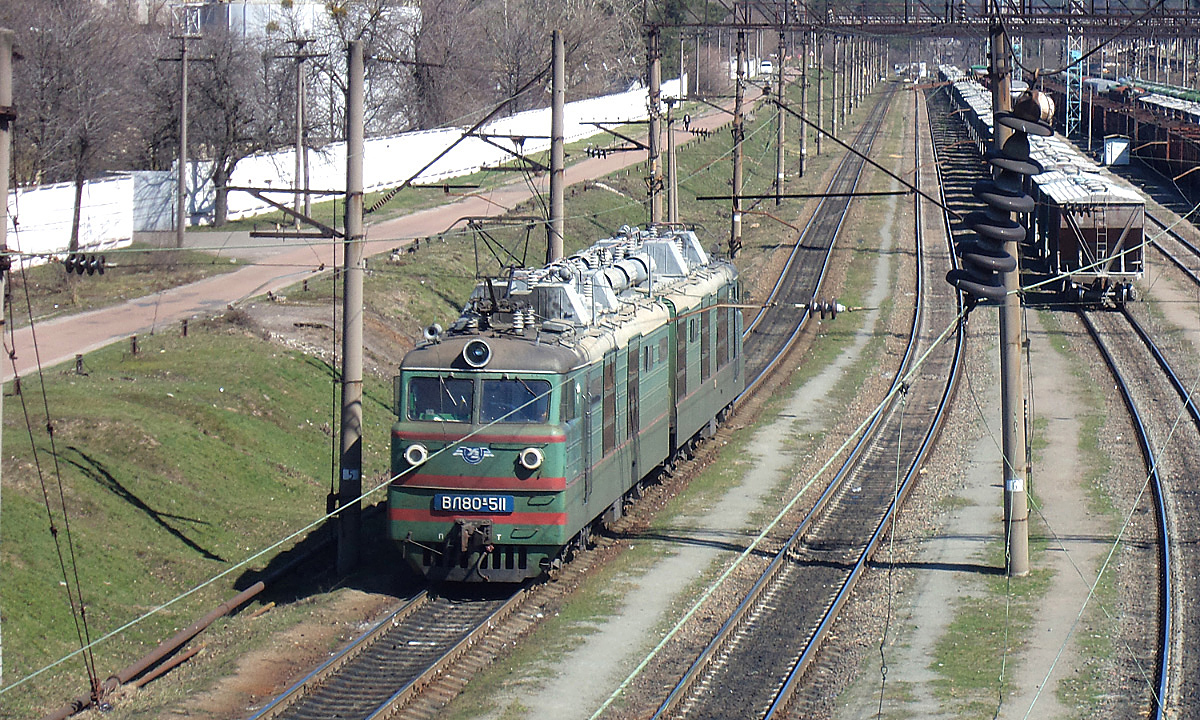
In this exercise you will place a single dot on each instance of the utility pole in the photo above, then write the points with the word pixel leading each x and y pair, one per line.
pixel 672 170
pixel 349 523
pixel 779 130
pixel 833 106
pixel 6 117
pixel 739 132
pixel 558 96
pixel 302 203
pixel 654 141
pixel 803 101
pixel 820 86
pixel 1016 506
pixel 182 197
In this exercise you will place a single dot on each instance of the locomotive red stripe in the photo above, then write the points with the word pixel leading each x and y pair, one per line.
pixel 480 439
pixel 516 518
pixel 482 482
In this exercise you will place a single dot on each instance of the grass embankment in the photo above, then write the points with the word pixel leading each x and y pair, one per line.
pixel 175 465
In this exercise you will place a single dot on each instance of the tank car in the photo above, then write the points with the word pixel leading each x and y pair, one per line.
pixel 555 394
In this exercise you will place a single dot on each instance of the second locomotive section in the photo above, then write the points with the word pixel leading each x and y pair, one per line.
pixel 555 393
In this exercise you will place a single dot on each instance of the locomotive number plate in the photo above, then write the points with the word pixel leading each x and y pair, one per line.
pixel 473 503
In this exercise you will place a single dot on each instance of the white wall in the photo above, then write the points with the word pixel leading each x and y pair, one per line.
pixel 40 217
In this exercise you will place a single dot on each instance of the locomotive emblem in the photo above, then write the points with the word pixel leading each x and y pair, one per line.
pixel 473 455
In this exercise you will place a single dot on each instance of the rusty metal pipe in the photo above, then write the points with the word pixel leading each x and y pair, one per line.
pixel 166 667
pixel 183 636
pixel 83 702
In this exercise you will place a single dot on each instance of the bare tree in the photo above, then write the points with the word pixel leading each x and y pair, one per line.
pixel 77 97
pixel 227 121
pixel 475 54
pixel 386 29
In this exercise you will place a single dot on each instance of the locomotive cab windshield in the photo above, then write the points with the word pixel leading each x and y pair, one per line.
pixel 445 398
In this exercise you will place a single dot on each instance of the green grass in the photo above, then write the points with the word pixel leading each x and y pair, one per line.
pixel 175 465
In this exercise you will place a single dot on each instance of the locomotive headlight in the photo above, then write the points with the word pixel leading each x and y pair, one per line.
pixel 477 353
pixel 531 458
pixel 416 454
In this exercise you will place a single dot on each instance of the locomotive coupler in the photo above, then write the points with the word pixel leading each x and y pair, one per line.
pixel 472 535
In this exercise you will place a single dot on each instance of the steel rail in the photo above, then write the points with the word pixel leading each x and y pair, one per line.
pixel 407 687
pixel 786 691
pixel 1177 237
pixel 751 600
pixel 874 123
pixel 302 686
pixel 1156 485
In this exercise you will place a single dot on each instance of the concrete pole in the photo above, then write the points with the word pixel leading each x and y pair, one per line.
pixel 779 130
pixel 820 88
pixel 1016 504
pixel 6 116
pixel 672 173
pixel 803 102
pixel 558 95
pixel 654 142
pixel 855 73
pixel 181 197
pixel 300 196
pixel 846 73
pixel 833 106
pixel 350 485
pixel 735 236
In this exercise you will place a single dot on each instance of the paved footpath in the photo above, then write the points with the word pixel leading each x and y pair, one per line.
pixel 272 268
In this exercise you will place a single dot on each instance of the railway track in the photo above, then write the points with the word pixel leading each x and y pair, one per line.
pixel 756 664
pixel 1169 436
pixel 1176 441
pixel 774 329
pixel 1176 248
pixel 386 667
pixel 1155 676
pixel 373 678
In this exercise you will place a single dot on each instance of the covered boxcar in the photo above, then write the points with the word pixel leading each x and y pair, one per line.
pixel 556 393
pixel 1087 223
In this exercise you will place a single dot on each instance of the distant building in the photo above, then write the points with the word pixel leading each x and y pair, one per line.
pixel 256 18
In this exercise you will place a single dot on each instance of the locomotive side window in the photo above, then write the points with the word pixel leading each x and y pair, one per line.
pixel 515 401
pixel 610 404
pixel 570 396
pixel 705 344
pixel 724 315
pixel 440 398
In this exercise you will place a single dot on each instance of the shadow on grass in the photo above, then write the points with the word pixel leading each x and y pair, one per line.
pixel 96 471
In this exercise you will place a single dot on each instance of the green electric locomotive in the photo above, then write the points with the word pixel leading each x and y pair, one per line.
pixel 542 409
